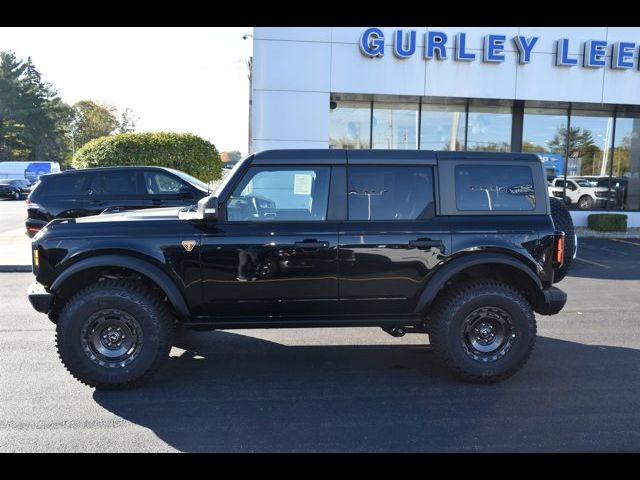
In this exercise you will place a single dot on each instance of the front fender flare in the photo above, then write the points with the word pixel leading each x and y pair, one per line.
pixel 155 274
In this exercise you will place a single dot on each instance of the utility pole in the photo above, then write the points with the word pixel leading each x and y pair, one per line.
pixel 250 77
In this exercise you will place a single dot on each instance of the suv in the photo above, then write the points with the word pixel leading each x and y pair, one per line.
pixel 459 245
pixel 78 193
pixel 14 189
pixel 581 192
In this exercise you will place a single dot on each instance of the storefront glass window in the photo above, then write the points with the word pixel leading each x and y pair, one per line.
pixel 625 181
pixel 541 130
pixel 350 125
pixel 489 128
pixel 442 127
pixel 395 125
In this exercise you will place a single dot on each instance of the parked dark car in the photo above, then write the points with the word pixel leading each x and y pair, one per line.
pixel 462 246
pixel 79 193
pixel 15 189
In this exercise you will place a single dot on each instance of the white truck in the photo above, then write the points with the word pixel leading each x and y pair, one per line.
pixel 581 192
pixel 30 171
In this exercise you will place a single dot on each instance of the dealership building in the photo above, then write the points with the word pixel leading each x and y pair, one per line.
pixel 571 95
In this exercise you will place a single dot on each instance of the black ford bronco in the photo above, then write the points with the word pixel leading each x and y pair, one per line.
pixel 461 246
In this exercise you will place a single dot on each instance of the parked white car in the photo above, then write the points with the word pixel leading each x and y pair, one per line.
pixel 581 192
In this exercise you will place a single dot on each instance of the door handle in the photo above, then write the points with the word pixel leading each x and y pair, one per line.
pixel 424 243
pixel 311 244
pixel 156 201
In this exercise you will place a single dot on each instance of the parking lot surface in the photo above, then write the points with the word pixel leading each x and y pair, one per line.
pixel 343 389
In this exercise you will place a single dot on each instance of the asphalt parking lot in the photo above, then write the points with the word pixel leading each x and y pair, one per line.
pixel 343 389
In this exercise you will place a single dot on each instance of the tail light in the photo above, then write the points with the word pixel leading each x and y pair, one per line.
pixel 558 249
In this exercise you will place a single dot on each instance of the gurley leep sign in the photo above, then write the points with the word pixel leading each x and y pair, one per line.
pixel 595 52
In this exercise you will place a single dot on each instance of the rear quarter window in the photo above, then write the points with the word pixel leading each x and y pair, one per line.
pixel 494 188
pixel 65 185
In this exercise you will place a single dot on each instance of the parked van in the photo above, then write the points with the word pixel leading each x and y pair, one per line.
pixel 30 171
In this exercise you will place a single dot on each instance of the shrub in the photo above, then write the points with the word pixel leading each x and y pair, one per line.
pixel 182 151
pixel 608 222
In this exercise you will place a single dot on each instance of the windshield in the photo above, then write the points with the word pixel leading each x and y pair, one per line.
pixel 192 180
pixel 228 175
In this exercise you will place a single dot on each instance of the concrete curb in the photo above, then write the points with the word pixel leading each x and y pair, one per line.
pixel 588 233
pixel 15 268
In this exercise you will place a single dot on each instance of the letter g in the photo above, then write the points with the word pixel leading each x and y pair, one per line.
pixel 372 42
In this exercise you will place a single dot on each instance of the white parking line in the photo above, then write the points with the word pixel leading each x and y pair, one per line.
pixel 625 241
pixel 592 263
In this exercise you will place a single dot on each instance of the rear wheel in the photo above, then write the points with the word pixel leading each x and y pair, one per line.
pixel 114 334
pixel 563 221
pixel 16 195
pixel 483 331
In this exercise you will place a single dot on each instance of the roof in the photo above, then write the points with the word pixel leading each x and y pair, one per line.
pixel 338 156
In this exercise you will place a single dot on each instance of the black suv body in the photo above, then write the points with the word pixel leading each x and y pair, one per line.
pixel 461 246
pixel 79 193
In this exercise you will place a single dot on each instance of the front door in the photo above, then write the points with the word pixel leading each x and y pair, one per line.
pixel 275 254
pixel 391 241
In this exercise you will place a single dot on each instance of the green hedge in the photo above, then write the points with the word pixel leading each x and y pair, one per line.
pixel 182 151
pixel 608 222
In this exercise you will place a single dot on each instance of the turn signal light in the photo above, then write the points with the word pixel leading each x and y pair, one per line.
pixel 558 258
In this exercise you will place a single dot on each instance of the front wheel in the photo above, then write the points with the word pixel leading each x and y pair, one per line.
pixel 16 195
pixel 483 331
pixel 114 334
pixel 585 202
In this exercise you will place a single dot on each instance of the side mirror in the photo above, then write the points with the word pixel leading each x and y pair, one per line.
pixel 206 210
pixel 185 192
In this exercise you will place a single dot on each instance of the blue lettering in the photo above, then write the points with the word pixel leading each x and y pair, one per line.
pixel 562 54
pixel 493 44
pixel 399 48
pixel 436 42
pixel 461 41
pixel 595 52
pixel 372 42
pixel 623 55
pixel 524 46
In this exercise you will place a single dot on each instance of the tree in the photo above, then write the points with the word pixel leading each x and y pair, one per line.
pixel 33 119
pixel 230 157
pixel 528 146
pixel 92 120
pixel 182 151
pixel 581 145
pixel 127 121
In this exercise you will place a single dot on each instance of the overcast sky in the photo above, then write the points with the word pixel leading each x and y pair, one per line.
pixel 178 79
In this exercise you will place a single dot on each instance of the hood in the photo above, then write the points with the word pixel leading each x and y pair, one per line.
pixel 149 214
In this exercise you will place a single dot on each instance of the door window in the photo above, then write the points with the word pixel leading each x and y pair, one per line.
pixel 281 194
pixel 390 193
pixel 116 183
pixel 157 183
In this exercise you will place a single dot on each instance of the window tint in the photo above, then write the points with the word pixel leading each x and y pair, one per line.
pixel 559 183
pixel 116 183
pixel 157 183
pixel 280 193
pixel 64 184
pixel 494 187
pixel 390 193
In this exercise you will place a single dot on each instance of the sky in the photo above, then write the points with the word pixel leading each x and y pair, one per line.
pixel 174 79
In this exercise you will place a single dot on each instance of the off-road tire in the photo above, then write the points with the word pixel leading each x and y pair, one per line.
pixel 135 300
pixel 448 319
pixel 563 221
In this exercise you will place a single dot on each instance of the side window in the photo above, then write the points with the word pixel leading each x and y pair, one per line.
pixel 571 185
pixel 281 194
pixel 390 193
pixel 158 183
pixel 494 187
pixel 116 183
pixel 559 183
pixel 67 185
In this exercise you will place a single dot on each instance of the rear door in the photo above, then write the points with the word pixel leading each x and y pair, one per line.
pixel 393 236
pixel 117 188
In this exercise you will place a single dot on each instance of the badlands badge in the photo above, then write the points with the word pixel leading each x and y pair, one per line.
pixel 188 244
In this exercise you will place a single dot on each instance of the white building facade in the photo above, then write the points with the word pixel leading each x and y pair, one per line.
pixel 570 94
